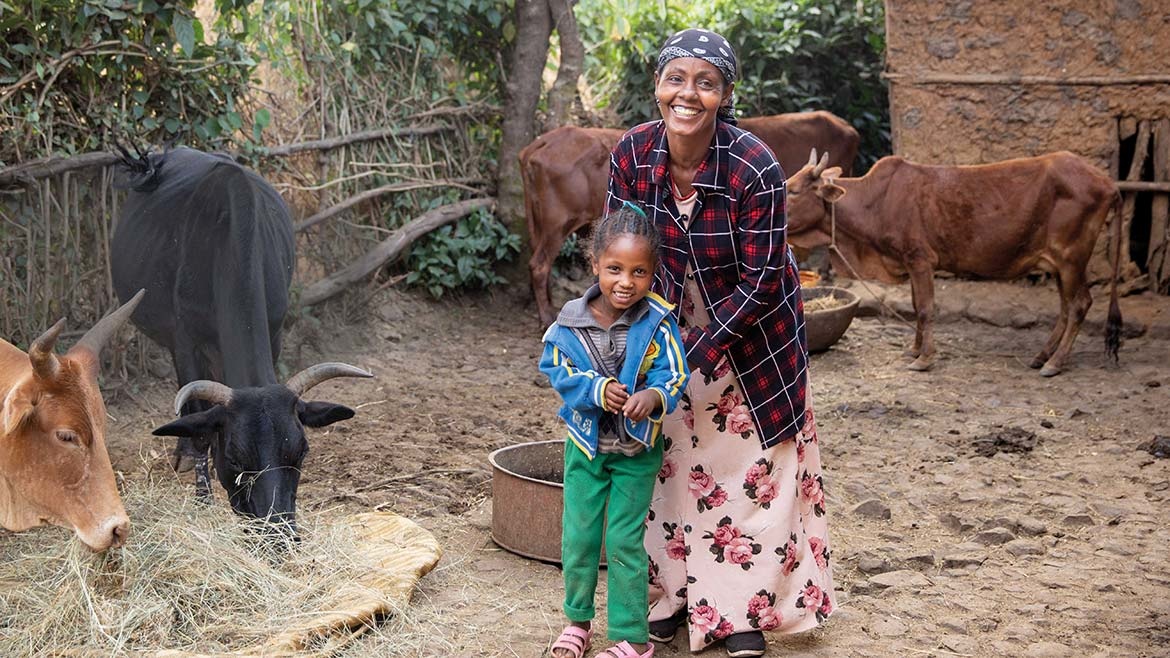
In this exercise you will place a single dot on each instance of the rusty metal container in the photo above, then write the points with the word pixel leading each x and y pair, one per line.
pixel 527 498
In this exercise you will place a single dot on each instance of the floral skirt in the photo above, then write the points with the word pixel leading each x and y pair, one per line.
pixel 737 534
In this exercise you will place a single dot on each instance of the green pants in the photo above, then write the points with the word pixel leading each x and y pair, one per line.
pixel 626 484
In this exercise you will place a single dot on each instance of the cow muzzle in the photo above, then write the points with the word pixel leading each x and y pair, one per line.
pixel 110 533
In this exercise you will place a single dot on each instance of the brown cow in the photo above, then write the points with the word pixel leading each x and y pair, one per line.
pixel 566 172
pixel 995 221
pixel 54 467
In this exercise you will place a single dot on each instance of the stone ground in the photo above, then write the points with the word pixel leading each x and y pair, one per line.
pixel 975 510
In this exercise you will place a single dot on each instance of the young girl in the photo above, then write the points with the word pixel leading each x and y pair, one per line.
pixel 616 359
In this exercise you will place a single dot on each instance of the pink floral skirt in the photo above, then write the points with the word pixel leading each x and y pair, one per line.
pixel 737 534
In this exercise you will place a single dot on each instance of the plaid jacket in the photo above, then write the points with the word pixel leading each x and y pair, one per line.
pixel 737 250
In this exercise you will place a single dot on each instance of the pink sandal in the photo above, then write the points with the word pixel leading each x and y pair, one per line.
pixel 573 639
pixel 625 650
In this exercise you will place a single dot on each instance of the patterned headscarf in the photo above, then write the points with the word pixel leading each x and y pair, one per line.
pixel 709 47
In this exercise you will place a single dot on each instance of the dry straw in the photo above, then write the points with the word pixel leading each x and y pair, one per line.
pixel 196 578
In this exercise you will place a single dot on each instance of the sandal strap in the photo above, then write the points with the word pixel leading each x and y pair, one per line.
pixel 575 639
pixel 624 649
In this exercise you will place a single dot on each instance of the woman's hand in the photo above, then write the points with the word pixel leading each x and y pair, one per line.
pixel 615 395
pixel 642 404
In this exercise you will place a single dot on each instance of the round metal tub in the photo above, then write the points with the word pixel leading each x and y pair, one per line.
pixel 527 498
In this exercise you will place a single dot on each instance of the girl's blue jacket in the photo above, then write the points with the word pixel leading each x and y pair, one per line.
pixel 653 349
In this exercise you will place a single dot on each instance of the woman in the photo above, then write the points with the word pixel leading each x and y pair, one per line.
pixel 737 536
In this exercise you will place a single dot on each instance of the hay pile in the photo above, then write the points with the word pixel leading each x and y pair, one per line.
pixel 823 303
pixel 194 578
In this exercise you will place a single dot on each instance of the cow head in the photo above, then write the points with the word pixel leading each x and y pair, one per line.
pixel 54 467
pixel 811 192
pixel 260 432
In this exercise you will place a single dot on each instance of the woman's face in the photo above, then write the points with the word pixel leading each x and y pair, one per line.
pixel 690 92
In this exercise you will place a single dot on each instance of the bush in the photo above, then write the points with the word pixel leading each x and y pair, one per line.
pixel 462 257
pixel 74 74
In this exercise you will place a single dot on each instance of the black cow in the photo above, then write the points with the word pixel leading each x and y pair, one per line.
pixel 212 242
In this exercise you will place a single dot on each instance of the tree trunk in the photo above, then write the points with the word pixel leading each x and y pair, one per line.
pixel 564 91
pixel 533 27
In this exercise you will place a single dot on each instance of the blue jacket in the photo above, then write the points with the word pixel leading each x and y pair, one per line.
pixel 654 338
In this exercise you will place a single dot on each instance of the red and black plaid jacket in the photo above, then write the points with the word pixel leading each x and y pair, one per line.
pixel 737 250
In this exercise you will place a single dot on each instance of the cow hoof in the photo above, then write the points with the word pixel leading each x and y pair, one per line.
pixel 1037 362
pixel 1049 370
pixel 912 353
pixel 921 364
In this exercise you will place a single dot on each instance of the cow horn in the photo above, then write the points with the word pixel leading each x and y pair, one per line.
pixel 812 156
pixel 202 389
pixel 97 337
pixel 301 382
pixel 821 165
pixel 40 353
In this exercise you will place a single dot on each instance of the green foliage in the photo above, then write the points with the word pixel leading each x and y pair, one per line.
pixel 462 257
pixel 76 73
pixel 436 41
pixel 795 55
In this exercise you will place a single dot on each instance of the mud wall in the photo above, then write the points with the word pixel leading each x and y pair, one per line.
pixel 974 82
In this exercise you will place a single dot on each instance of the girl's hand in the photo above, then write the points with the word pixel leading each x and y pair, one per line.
pixel 641 404
pixel 615 395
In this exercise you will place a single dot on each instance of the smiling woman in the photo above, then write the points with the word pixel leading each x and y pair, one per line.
pixel 738 541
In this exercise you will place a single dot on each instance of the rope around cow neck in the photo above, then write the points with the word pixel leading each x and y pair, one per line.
pixel 833 248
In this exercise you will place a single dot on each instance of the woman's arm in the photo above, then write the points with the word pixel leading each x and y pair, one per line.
pixel 621 177
pixel 760 226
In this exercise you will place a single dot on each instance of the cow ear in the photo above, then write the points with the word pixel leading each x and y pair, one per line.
pixel 320 414
pixel 831 192
pixel 831 173
pixel 196 424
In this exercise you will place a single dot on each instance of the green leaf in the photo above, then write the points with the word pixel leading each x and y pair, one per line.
pixel 263 117
pixel 184 33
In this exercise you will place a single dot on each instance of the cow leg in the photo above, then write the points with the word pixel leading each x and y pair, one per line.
pixel 191 452
pixel 922 292
pixel 1074 294
pixel 915 349
pixel 539 269
pixel 1058 329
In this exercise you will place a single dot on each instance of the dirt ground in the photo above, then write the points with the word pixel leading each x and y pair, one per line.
pixel 975 510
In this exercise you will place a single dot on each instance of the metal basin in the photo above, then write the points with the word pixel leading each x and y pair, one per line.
pixel 823 328
pixel 527 498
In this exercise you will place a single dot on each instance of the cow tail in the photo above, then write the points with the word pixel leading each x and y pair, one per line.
pixel 1113 323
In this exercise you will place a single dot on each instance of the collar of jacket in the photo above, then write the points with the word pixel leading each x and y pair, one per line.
pixel 577 314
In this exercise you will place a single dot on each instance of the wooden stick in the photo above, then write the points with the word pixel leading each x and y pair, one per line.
pixel 1127 204
pixel 391 248
pixel 413 476
pixel 992 79
pixel 344 140
pixel 377 192
pixel 27 172
pixel 1157 261
pixel 1143 186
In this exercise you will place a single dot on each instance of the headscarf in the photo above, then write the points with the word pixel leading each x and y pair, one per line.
pixel 709 47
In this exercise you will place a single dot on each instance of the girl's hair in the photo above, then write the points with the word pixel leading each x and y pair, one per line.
pixel 629 220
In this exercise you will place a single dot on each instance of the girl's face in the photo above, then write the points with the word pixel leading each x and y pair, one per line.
pixel 624 272
pixel 690 92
